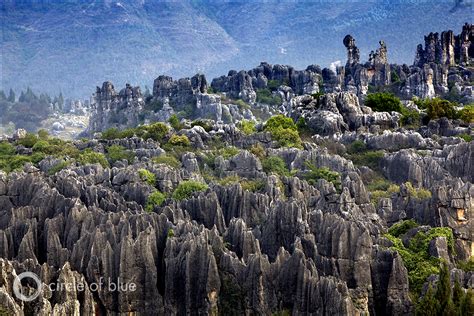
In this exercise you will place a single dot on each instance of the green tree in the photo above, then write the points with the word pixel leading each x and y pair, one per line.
pixel 383 102
pixel 443 292
pixel 185 189
pixel 428 305
pixel 174 122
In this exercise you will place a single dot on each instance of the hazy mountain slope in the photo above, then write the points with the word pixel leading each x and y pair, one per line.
pixel 70 47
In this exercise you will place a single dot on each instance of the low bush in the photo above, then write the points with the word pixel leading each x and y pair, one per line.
pixel 179 140
pixel 43 134
pixel 467 266
pixel 28 141
pixel 383 102
pixel 370 159
pixel 117 153
pixel 467 113
pixel 247 127
pixel 185 189
pixel 156 198
pixel 91 157
pixel 111 133
pixel 228 152
pixel 156 131
pixel 147 176
pixel 274 164
pixel 204 124
pixel 265 96
pixel 175 122
pixel 402 227
pixel 242 105
pixel 357 146
pixel 229 180
pixel 258 151
pixel 252 185
pixel 376 195
pixel 280 121
pixel 58 167
pixel 314 174
pixel 167 160
pixel 284 131
pixel 418 193
pixel 466 137
pixel 410 117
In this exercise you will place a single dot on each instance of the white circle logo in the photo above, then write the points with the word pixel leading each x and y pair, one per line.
pixel 17 287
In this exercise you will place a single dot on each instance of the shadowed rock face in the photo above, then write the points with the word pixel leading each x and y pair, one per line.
pixel 288 245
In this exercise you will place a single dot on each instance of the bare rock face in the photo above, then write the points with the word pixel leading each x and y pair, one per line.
pixel 112 109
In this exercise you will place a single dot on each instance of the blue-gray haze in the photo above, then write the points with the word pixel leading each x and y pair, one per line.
pixel 71 46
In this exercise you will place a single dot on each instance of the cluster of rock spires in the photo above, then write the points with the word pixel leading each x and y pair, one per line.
pixel 286 246
pixel 307 249
pixel 439 69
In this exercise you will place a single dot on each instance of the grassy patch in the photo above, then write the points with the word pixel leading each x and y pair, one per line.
pixel 185 189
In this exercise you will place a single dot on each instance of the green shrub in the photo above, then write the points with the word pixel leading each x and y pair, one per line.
pixel 410 117
pixel 154 199
pixel 273 84
pixel 185 189
pixel 437 108
pixel 274 164
pixel 418 193
pixel 242 105
pixel 467 266
pixel 376 195
pixel 252 185
pixel 167 160
pixel 280 121
pixel 58 167
pixel 170 233
pixel 258 151
pixel 41 146
pixel 284 131
pixel 314 174
pixel 402 227
pixel 370 159
pixel 16 162
pixel 206 125
pixel 247 127
pixel 287 138
pixel 383 102
pixel 357 146
pixel 111 133
pixel 28 141
pixel 6 149
pixel 175 123
pixel 378 183
pixel 210 90
pixel 43 134
pixel 265 96
pixel 179 140
pixel 467 113
pixel 154 106
pixel 147 176
pixel 466 137
pixel 156 131
pixel 117 153
pixel 228 152
pixel 229 180
pixel 91 157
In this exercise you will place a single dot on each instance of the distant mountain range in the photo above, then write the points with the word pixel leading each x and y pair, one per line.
pixel 73 46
